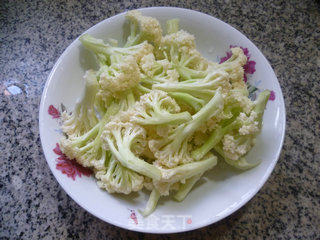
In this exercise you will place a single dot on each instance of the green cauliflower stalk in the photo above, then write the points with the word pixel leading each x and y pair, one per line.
pixel 172 25
pixel 104 51
pixel 203 88
pixel 195 103
pixel 186 187
pixel 152 203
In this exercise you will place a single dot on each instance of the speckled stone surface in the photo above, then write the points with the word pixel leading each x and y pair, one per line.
pixel 33 34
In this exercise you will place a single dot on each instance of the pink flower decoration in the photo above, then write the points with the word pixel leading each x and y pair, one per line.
pixel 272 96
pixel 57 150
pixel 245 50
pixel 70 167
pixel 53 112
pixel 133 216
pixel 229 54
pixel 250 67
pixel 245 79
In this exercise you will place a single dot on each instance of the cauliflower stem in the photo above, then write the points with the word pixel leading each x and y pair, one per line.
pixel 151 204
pixel 186 187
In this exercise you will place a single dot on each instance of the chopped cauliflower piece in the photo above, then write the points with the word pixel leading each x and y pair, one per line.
pixel 143 28
pixel 236 148
pixel 250 124
pixel 121 75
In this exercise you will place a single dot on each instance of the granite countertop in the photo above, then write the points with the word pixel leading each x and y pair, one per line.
pixel 33 34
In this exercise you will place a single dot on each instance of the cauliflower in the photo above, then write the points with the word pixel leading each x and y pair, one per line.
pixel 104 51
pixel 180 39
pixel 143 28
pixel 234 148
pixel 186 187
pixel 203 88
pixel 238 133
pixel 123 74
pixel 84 117
pixel 185 98
pixel 180 49
pixel 116 178
pixel 241 163
pixel 87 148
pixel 172 179
pixel 120 138
pixel 157 108
pixel 240 99
pixel 172 25
pixel 175 149
pixel 234 67
pixel 249 124
pixel 157 71
pixel 154 108
pixel 180 173
pixel 150 67
pixel 152 202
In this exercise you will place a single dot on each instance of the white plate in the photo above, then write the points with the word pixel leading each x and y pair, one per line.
pixel 223 190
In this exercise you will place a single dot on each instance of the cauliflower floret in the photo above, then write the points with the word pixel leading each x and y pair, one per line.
pixel 234 148
pixel 234 66
pixel 249 123
pixel 172 177
pixel 181 39
pixel 175 149
pixel 240 98
pixel 147 64
pixel 144 49
pixel 155 108
pixel 123 140
pixel 84 117
pixel 123 74
pixel 143 28
pixel 172 75
pixel 150 66
pixel 69 150
pixel 157 71
pixel 119 179
pixel 185 55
